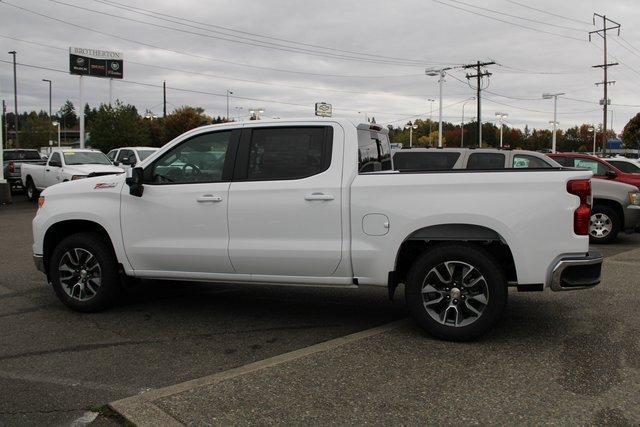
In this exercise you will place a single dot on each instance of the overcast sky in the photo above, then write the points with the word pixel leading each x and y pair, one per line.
pixel 360 56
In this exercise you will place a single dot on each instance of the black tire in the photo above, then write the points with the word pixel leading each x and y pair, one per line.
pixel 604 212
pixel 109 288
pixel 31 191
pixel 457 254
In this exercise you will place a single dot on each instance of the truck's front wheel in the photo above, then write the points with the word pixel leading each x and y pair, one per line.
pixel 456 291
pixel 84 272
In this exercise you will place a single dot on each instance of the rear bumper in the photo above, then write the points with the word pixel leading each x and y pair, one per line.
pixel 577 272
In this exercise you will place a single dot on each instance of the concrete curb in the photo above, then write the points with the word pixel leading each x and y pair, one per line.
pixel 141 411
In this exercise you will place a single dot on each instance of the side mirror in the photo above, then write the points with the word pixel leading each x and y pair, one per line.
pixel 134 181
pixel 610 174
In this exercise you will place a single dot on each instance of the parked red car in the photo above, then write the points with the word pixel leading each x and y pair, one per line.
pixel 600 167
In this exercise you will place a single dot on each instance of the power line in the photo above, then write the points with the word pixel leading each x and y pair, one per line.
pixel 261 44
pixel 192 55
pixel 549 13
pixel 515 24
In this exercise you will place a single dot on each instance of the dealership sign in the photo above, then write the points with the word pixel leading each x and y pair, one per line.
pixel 96 63
pixel 323 109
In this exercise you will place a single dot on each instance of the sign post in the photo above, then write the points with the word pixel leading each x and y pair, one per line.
pixel 94 63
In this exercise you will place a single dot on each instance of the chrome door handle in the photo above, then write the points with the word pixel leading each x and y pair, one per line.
pixel 208 198
pixel 318 196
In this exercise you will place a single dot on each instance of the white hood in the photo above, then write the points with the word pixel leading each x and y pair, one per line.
pixel 88 169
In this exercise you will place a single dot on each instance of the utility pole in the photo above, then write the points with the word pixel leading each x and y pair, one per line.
pixel 15 97
pixel 478 76
pixel 164 99
pixel 605 65
pixel 430 101
pixel 50 118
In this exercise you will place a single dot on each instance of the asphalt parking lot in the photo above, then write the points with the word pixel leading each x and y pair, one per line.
pixel 555 358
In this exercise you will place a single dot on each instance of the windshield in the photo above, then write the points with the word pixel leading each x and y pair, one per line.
pixel 21 155
pixel 624 166
pixel 85 158
pixel 143 154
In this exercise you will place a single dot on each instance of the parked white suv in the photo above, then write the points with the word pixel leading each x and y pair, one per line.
pixel 316 202
pixel 127 157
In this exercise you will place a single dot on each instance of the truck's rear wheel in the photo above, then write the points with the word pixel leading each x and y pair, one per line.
pixel 604 225
pixel 84 272
pixel 456 291
pixel 31 190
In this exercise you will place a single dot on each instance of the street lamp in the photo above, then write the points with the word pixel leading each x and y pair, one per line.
pixel 593 129
pixel 57 124
pixel 50 118
pixel 411 127
pixel 430 101
pixel 228 93
pixel 442 73
pixel 473 98
pixel 501 116
pixel 555 115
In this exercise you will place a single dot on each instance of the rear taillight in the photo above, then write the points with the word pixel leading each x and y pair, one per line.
pixel 11 167
pixel 582 215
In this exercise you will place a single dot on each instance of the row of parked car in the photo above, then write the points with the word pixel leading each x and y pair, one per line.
pixel 616 200
pixel 26 170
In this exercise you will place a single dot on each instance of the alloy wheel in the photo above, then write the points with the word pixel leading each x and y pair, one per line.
pixel 79 273
pixel 600 225
pixel 455 293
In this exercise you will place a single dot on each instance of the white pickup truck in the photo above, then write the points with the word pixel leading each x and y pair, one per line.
pixel 65 165
pixel 317 202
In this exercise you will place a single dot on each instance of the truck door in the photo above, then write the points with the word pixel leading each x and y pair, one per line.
pixel 285 202
pixel 179 224
pixel 52 170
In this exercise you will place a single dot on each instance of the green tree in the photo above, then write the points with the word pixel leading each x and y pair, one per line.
pixel 631 132
pixel 183 119
pixel 68 115
pixel 118 126
pixel 35 132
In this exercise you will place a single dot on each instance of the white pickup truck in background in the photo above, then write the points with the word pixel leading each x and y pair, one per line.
pixel 317 202
pixel 65 165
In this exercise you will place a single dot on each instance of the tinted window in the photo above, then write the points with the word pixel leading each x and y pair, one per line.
pixel 21 155
pixel 124 154
pixel 528 161
pixel 627 167
pixel 374 151
pixel 486 161
pixel 143 154
pixel 85 158
pixel 112 154
pixel 288 153
pixel 426 161
pixel 199 159
pixel 564 161
pixel 55 160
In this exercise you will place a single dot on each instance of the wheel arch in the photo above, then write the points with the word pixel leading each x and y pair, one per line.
pixel 613 204
pixel 59 230
pixel 423 239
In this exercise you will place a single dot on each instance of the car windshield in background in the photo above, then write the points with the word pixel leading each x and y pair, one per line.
pixel 626 167
pixel 85 158
pixel 424 161
pixel 21 155
pixel 143 154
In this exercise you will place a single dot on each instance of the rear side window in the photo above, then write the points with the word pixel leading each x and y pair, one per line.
pixel 564 161
pixel 595 166
pixel 124 154
pixel 21 155
pixel 426 161
pixel 527 161
pixel 486 161
pixel 626 167
pixel 374 151
pixel 289 153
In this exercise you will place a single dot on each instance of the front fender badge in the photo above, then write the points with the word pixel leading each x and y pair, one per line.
pixel 101 185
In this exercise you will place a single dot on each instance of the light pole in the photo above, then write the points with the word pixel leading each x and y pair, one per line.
pixel 238 110
pixel 15 96
pixel 593 129
pixel 430 101
pixel 462 127
pixel 228 93
pixel 411 127
pixel 442 73
pixel 57 124
pixel 555 115
pixel 50 118
pixel 501 116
